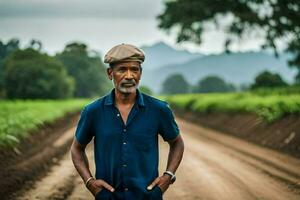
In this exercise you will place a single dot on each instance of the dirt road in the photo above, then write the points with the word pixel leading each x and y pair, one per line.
pixel 215 166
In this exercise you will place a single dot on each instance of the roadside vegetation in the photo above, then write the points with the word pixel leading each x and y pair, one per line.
pixel 20 117
pixel 265 104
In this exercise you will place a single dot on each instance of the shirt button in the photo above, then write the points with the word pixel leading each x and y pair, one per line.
pixel 126 189
pixel 124 130
pixel 118 115
pixel 124 143
pixel 124 165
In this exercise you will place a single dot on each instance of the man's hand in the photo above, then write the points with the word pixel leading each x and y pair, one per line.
pixel 96 186
pixel 163 182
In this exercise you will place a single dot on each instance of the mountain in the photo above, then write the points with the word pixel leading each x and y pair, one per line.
pixel 161 54
pixel 236 68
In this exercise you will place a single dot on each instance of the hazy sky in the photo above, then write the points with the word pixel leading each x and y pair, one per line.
pixel 100 24
pixel 95 8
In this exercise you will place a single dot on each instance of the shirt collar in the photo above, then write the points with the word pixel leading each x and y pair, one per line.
pixel 110 98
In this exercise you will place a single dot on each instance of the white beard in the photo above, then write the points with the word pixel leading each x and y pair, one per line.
pixel 125 90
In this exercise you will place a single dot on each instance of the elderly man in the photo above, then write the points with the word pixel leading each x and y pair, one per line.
pixel 125 125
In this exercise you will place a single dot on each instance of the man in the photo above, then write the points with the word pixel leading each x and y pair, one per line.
pixel 125 126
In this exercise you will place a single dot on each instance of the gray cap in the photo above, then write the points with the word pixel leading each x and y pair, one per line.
pixel 124 52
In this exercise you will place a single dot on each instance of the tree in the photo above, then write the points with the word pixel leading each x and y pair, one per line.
pixel 28 74
pixel 87 69
pixel 274 19
pixel 175 84
pixel 35 44
pixel 5 50
pixel 213 84
pixel 268 79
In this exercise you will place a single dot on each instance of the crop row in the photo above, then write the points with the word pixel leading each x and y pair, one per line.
pixel 18 118
pixel 269 107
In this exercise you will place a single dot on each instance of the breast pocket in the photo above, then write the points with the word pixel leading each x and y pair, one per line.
pixel 144 140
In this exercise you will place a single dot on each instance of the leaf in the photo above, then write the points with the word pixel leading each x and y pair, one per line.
pixel 13 138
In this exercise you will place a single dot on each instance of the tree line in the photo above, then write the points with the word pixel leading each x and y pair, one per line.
pixel 177 84
pixel 77 71
pixel 28 73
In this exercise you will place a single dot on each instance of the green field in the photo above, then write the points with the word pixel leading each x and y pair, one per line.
pixel 18 117
pixel 268 106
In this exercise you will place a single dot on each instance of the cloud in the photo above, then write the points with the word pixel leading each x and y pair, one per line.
pixel 80 8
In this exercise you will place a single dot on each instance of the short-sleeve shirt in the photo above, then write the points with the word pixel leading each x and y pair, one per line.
pixel 127 155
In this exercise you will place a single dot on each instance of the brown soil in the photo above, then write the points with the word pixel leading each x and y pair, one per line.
pixel 31 159
pixel 218 166
pixel 215 166
pixel 282 135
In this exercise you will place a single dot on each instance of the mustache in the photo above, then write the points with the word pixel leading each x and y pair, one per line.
pixel 128 82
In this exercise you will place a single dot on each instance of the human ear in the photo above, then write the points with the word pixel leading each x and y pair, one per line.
pixel 109 72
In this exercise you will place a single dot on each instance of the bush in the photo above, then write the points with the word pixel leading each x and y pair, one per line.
pixel 211 84
pixel 28 74
pixel 268 80
pixel 175 84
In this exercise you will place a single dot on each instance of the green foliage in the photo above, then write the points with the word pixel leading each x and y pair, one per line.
pixel 36 44
pixel 87 70
pixel 28 74
pixel 181 102
pixel 175 84
pixel 212 84
pixel 275 20
pixel 278 91
pixel 5 50
pixel 268 80
pixel 145 90
pixel 18 118
pixel 269 107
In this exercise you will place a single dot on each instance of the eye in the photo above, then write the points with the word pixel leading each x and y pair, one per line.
pixel 121 69
pixel 135 69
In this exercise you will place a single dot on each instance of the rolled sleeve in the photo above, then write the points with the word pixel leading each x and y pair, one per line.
pixel 84 132
pixel 168 127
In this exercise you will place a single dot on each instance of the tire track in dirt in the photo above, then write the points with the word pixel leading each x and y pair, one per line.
pixel 59 181
pixel 215 166
pixel 35 155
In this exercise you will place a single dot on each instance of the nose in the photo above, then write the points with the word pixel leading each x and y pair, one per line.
pixel 129 75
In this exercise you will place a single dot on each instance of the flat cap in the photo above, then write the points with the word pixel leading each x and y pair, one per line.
pixel 124 52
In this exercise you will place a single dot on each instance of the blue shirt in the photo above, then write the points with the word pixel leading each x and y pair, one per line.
pixel 126 155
